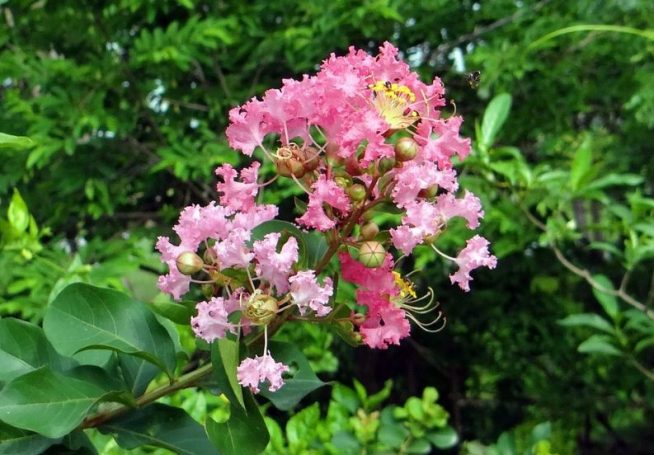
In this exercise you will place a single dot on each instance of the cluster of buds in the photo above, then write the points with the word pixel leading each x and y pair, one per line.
pixel 362 137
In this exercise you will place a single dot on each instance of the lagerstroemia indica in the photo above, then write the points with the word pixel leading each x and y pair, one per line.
pixel 361 134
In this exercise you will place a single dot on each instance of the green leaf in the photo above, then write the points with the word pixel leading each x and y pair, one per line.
pixel 225 359
pixel 391 432
pixel 24 348
pixel 419 446
pixel 494 117
pixel 176 312
pixel 85 317
pixel 52 403
pixel 18 214
pixel 608 302
pixel 541 432
pixel 7 141
pixel 16 441
pixel 588 320
pixel 297 387
pixel 615 180
pixel 598 344
pixel 137 373
pixel 443 438
pixel 244 433
pixel 316 247
pixel 162 426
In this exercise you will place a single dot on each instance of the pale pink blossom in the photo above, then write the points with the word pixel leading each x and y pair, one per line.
pixel 238 195
pixel 309 295
pixel 272 266
pixel 249 219
pixel 197 223
pixel 173 283
pixel 253 371
pixel 468 207
pixel 474 255
pixel 414 177
pixel 211 322
pixel 233 251
pixel 247 126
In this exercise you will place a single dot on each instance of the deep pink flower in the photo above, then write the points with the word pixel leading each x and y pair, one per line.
pixel 474 255
pixel 380 278
pixel 253 371
pixel 324 191
pixel 309 295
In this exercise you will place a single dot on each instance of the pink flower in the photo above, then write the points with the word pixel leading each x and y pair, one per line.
pixel 474 255
pixel 308 294
pixel 324 191
pixel 253 371
pixel 468 207
pixel 414 177
pixel 272 266
pixel 197 223
pixel 233 251
pixel 253 217
pixel 238 195
pixel 380 278
pixel 385 323
pixel 247 127
pixel 173 283
pixel 211 321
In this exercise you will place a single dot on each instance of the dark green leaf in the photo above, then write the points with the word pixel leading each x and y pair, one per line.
pixel 244 433
pixel 14 441
pixel 23 348
pixel 295 388
pixel 137 373
pixel 53 404
pixel 163 426
pixel 85 317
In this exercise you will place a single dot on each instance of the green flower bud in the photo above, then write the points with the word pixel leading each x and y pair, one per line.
pixel 357 192
pixel 343 182
pixel 372 254
pixel 369 231
pixel 430 192
pixel 386 164
pixel 189 263
pixel 406 149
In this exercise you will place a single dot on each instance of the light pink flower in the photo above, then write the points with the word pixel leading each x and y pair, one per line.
pixel 414 177
pixel 233 251
pixel 173 283
pixel 308 294
pixel 247 126
pixel 211 321
pixel 272 266
pixel 474 255
pixel 197 223
pixel 238 195
pixel 253 371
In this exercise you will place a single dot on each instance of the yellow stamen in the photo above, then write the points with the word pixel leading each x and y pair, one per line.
pixel 406 286
pixel 393 102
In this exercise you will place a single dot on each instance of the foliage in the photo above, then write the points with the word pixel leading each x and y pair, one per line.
pixel 356 423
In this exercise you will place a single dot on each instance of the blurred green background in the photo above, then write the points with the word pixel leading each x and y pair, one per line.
pixel 126 105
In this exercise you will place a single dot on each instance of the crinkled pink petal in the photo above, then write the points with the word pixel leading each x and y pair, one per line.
pixel 406 238
pixel 233 251
pixel 211 322
pixel 474 255
pixel 380 278
pixel 272 266
pixel 253 371
pixel 414 177
pixel 238 196
pixel 324 191
pixel 387 327
pixel 197 223
pixel 254 216
pixel 247 127
pixel 173 283
pixel 309 295
pixel 468 207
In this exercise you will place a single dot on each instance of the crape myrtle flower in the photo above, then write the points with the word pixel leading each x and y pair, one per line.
pixel 362 138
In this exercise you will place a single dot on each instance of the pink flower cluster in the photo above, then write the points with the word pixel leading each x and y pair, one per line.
pixel 362 133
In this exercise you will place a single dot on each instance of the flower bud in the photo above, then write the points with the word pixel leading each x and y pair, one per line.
pixel 357 192
pixel 261 308
pixel 406 149
pixel 369 231
pixel 343 182
pixel 310 158
pixel 210 256
pixel 386 164
pixel 430 192
pixel 372 254
pixel 189 263
pixel 290 167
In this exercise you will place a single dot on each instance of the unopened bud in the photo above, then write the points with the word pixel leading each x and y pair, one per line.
pixel 386 164
pixel 290 167
pixel 261 308
pixel 429 192
pixel 372 254
pixel 406 149
pixel 210 256
pixel 357 192
pixel 369 231
pixel 189 263
pixel 311 158
pixel 343 182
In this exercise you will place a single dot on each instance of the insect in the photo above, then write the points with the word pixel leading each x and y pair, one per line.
pixel 474 78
